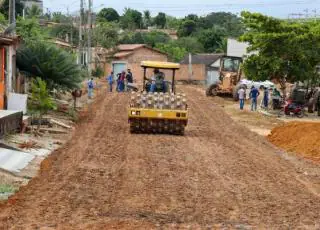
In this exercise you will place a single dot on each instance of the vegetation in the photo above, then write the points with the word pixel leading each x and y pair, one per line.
pixel 33 12
pixel 282 50
pixel 52 64
pixel 4 8
pixel 108 14
pixel 40 102
pixel 105 35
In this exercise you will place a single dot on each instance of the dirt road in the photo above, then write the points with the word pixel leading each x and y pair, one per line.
pixel 218 175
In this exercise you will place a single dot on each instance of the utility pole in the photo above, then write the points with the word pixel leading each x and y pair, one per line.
pixel 89 36
pixel 80 33
pixel 12 12
pixel 190 67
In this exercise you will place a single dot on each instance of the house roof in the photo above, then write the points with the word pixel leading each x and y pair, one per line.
pixel 125 50
pixel 8 40
pixel 205 59
pixel 130 46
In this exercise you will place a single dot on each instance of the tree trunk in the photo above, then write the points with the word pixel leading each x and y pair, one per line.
pixel 283 88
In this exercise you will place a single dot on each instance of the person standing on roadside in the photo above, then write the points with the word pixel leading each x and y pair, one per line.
pixel 265 98
pixel 110 81
pixel 242 97
pixel 90 88
pixel 254 94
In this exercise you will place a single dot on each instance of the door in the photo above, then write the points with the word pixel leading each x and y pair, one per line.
pixel 212 76
pixel 118 67
pixel 2 78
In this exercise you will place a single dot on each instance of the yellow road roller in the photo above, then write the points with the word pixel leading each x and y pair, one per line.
pixel 158 108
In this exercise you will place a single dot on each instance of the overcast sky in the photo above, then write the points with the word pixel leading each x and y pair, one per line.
pixel 180 8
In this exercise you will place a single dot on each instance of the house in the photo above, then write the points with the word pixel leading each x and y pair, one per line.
pixel 204 68
pixel 9 82
pixel 130 56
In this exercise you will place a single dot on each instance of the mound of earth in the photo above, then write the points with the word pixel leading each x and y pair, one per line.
pixel 302 138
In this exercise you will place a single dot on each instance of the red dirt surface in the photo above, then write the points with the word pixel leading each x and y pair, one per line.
pixel 302 138
pixel 219 175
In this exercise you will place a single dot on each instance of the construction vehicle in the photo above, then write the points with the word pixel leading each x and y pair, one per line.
pixel 158 108
pixel 229 78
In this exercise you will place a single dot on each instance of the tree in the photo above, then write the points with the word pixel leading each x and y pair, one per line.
pixel 58 17
pixel 172 22
pixel 4 8
pixel 160 20
pixel 33 12
pixel 149 38
pixel 106 35
pixel 211 39
pixel 131 19
pixel 191 44
pixel 174 53
pixel 146 18
pixel 30 30
pixel 52 64
pixel 108 14
pixel 63 30
pixel 187 28
pixel 282 50
pixel 40 101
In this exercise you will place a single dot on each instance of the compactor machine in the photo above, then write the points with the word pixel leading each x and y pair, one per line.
pixel 158 108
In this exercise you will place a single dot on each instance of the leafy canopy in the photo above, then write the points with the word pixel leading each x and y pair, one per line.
pixel 108 14
pixel 281 50
pixel 52 64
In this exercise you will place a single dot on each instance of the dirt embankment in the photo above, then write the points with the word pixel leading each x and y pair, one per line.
pixel 302 138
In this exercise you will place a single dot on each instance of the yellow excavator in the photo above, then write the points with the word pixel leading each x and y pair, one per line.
pixel 158 108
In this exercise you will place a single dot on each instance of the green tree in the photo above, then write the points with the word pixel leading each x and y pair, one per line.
pixel 154 37
pixel 160 20
pixel 59 17
pixel 174 52
pixel 52 64
pixel 282 50
pixel 172 22
pixel 63 30
pixel 4 8
pixel 211 39
pixel 108 14
pixel 131 19
pixel 191 44
pixel 33 12
pixel 146 18
pixel 40 100
pixel 187 28
pixel 106 35
pixel 30 30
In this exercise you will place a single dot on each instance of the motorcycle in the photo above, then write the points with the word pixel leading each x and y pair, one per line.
pixel 293 109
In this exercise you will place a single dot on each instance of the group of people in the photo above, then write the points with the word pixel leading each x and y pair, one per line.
pixel 254 94
pixel 122 79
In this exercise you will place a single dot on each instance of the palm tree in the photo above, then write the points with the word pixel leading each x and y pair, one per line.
pixel 34 12
pixel 52 64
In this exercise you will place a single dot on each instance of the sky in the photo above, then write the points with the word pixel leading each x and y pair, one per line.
pixel 181 8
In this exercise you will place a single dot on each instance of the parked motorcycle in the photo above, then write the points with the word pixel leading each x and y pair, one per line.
pixel 293 109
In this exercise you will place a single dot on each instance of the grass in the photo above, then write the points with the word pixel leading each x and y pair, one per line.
pixel 4 188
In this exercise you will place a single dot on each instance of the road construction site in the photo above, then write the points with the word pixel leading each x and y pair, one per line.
pixel 219 175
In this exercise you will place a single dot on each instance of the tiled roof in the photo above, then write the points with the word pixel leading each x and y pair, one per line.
pixel 130 46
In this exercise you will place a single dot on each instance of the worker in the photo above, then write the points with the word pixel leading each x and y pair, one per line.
pixel 157 80
pixel 110 81
pixel 121 81
pixel 90 88
pixel 265 101
pixel 254 94
pixel 276 96
pixel 129 76
pixel 242 96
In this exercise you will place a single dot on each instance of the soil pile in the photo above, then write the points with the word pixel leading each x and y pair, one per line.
pixel 302 138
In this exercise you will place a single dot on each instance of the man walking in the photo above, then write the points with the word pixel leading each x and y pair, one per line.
pixel 110 81
pixel 254 94
pixel 90 88
pixel 242 97
pixel 129 76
